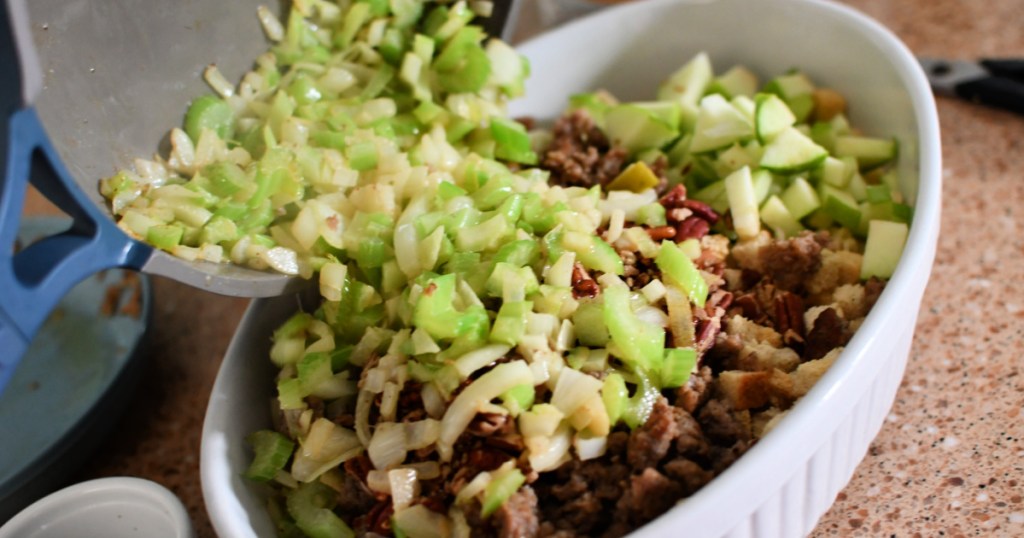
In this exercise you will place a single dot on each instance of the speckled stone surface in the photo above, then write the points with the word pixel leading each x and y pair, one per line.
pixel 949 460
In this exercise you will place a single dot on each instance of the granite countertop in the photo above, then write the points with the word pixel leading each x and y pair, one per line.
pixel 949 460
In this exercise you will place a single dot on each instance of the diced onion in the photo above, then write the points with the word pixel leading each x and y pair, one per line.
pixel 324 337
pixel 404 487
pixel 479 358
pixel 542 420
pixel 378 481
pixel 217 81
pixel 389 401
pixel 183 152
pixel 588 448
pixel 542 324
pixel 626 201
pixel 387 447
pixel 406 239
pixel 566 336
pixel 418 521
pixel 423 343
pixel 592 416
pixel 332 279
pixel 271 24
pixel 652 315
pixel 573 389
pixel 616 223
pixel 473 488
pixel 421 433
pixel 680 317
pixel 460 527
pixel 433 402
pixel 374 380
pixel 548 453
pixel 654 291
pixel 333 445
pixel 488 387
pixel 283 260
pixel 364 403
pixel 560 272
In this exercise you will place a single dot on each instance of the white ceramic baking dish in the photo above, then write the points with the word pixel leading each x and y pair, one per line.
pixel 789 479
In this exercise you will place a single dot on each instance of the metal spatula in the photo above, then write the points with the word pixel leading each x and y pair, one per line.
pixel 88 86
pixel 109 79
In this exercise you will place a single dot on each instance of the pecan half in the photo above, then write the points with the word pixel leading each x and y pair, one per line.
pixel 789 317
pixel 692 228
pixel 707 331
pixel 674 198
pixel 659 233
pixel 748 306
pixel 721 299
pixel 583 285
pixel 702 210
pixel 827 333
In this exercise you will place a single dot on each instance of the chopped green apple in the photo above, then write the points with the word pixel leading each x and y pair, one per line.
pixel 883 248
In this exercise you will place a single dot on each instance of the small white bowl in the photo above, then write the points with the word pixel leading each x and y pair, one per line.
pixel 790 478
pixel 118 507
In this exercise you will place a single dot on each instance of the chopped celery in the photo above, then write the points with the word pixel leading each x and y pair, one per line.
pixel 676 368
pixel 494 192
pixel 304 90
pixel 678 267
pixel 519 253
pixel 362 155
pixel 290 394
pixel 540 217
pixel 651 215
pixel 447 190
pixel 313 370
pixel 500 488
pixel 510 324
pixel 393 46
pixel 640 404
pixel 435 312
pixel 271 452
pixel 225 179
pixel 512 141
pixel 209 112
pixel 519 398
pixel 219 229
pixel 615 396
pixel 164 236
pixel 588 320
pixel 463 65
pixel 507 278
pixel 638 343
pixel 310 504
pixel 593 252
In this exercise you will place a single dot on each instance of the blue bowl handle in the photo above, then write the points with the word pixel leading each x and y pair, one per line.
pixel 35 279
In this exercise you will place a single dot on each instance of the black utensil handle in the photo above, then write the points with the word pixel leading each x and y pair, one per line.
pixel 1005 68
pixel 995 92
